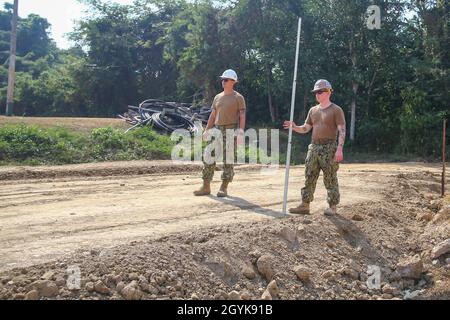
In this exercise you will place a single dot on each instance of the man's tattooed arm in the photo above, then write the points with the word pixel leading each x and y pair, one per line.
pixel 342 133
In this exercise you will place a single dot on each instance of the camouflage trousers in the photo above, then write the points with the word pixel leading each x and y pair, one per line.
pixel 228 167
pixel 321 157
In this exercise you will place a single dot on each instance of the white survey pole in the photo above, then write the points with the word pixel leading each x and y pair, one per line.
pixel 294 87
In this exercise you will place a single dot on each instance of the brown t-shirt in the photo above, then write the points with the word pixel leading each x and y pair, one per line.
pixel 227 108
pixel 325 121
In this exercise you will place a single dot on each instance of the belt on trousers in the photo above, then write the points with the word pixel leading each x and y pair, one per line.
pixel 227 126
pixel 323 141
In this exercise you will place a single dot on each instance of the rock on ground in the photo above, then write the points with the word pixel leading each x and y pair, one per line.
pixel 441 249
pixel 131 291
pixel 32 295
pixel 303 273
pixel 410 268
pixel 357 217
pixel 266 295
pixel 288 234
pixel 249 273
pixel 46 288
pixel 234 295
pixel 264 265
pixel 100 287
pixel 273 288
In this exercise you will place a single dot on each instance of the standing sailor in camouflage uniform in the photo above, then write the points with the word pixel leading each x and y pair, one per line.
pixel 228 112
pixel 326 120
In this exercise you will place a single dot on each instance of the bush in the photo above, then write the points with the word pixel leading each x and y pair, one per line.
pixel 22 144
pixel 107 143
pixel 143 143
pixel 421 134
pixel 150 145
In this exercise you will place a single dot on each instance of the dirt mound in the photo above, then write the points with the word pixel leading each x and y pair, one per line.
pixel 119 168
pixel 311 257
pixel 106 169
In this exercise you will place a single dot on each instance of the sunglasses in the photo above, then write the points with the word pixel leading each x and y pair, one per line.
pixel 321 91
pixel 226 80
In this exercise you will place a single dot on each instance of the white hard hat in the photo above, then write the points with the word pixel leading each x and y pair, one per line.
pixel 229 74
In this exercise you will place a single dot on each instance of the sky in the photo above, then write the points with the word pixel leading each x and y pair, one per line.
pixel 60 14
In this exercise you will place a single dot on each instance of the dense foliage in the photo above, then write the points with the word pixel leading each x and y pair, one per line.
pixel 397 78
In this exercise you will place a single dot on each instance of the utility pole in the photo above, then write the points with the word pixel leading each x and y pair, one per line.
pixel 12 61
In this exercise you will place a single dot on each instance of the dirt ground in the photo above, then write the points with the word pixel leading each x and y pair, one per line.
pixel 136 232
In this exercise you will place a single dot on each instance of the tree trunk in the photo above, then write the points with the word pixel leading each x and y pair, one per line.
pixel 353 109
pixel 272 107
pixel 209 92
pixel 305 106
pixel 355 90
pixel 369 92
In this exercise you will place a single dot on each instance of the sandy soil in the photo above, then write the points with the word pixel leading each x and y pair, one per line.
pixel 43 218
pixel 51 213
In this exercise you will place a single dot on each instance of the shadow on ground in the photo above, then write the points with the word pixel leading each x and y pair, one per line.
pixel 247 205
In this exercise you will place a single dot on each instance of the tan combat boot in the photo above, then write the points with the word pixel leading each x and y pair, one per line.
pixel 223 190
pixel 204 190
pixel 303 208
pixel 331 211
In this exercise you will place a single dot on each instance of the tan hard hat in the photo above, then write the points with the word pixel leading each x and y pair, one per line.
pixel 321 85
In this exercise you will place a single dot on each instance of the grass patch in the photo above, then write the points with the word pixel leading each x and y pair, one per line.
pixel 33 145
pixel 25 144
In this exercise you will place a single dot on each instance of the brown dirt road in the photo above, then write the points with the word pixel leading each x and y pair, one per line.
pixel 45 218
